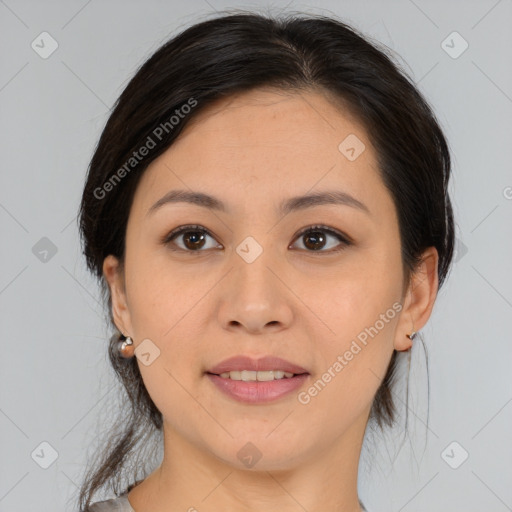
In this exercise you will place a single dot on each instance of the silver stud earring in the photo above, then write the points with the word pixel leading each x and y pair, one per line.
pixel 125 347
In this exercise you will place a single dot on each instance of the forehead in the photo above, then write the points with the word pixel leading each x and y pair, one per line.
pixel 264 143
pixel 264 120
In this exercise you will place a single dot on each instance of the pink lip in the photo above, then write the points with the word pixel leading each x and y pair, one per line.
pixel 258 392
pixel 239 363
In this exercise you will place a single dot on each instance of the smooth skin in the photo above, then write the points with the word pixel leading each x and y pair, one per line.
pixel 202 303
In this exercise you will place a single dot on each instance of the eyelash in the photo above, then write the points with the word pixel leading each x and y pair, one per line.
pixel 345 240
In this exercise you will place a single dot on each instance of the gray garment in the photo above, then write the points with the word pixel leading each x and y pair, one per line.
pixel 120 504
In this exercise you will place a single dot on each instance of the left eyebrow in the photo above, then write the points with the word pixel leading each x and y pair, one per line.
pixel 337 197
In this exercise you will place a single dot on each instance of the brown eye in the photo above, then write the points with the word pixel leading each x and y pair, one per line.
pixel 194 238
pixel 316 238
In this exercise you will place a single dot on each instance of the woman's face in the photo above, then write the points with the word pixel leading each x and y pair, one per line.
pixel 248 281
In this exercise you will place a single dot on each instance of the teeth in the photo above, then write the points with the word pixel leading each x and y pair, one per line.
pixel 249 376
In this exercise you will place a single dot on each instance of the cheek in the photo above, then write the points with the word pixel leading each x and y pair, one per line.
pixel 157 292
pixel 167 306
pixel 361 295
pixel 363 312
pixel 353 366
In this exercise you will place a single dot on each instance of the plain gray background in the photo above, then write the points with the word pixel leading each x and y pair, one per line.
pixel 55 380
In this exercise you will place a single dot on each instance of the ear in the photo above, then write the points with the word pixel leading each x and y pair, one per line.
pixel 420 298
pixel 114 275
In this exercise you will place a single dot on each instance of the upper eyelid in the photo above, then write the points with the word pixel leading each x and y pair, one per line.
pixel 329 230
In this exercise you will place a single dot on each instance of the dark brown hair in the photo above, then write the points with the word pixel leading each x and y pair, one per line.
pixel 234 53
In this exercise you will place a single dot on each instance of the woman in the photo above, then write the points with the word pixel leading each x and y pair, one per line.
pixel 267 211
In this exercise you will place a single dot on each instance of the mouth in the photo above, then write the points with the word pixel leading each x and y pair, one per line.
pixel 257 380
pixel 257 376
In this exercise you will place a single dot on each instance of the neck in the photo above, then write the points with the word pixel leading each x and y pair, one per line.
pixel 190 478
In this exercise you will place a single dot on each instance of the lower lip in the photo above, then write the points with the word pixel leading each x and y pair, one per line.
pixel 258 392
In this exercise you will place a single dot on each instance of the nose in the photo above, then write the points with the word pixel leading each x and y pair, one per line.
pixel 255 298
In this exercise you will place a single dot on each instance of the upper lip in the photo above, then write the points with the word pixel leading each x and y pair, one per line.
pixel 239 363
